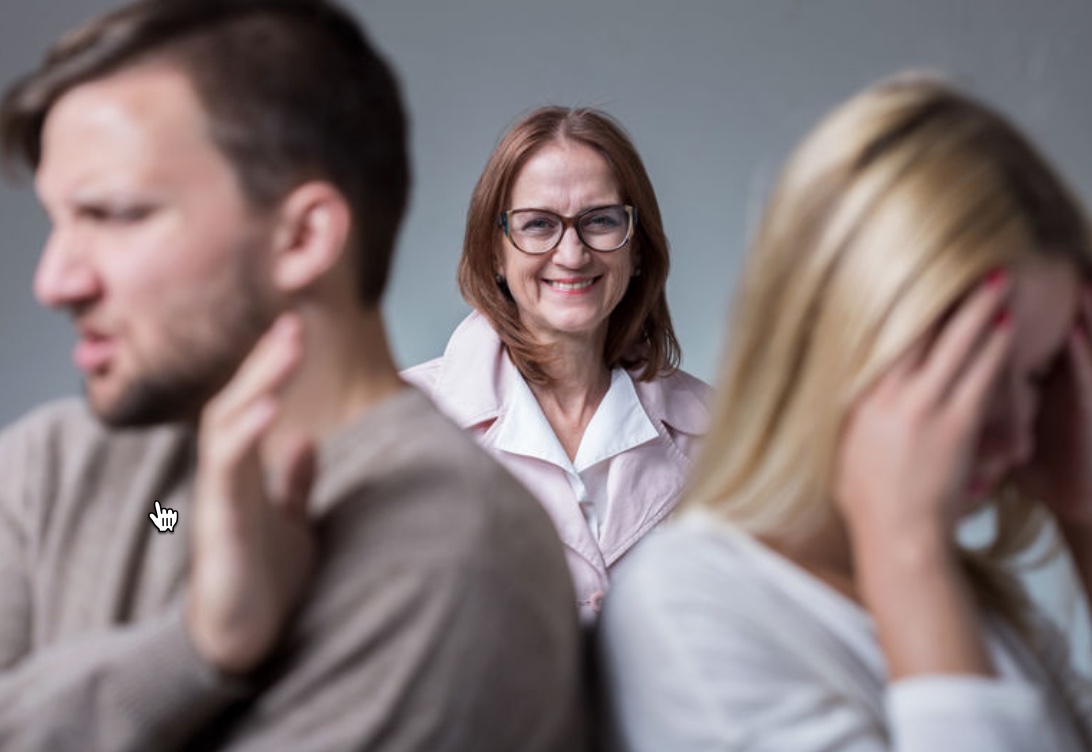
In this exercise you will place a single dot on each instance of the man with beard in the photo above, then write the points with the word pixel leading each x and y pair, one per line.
pixel 329 563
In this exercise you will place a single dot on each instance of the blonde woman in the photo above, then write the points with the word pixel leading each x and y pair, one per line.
pixel 910 344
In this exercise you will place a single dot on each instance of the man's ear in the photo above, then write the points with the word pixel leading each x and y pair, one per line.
pixel 311 235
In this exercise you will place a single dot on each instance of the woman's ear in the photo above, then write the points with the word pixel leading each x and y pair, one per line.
pixel 311 235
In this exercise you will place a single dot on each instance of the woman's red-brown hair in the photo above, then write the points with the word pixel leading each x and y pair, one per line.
pixel 639 332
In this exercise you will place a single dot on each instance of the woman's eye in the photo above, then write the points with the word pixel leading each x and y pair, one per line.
pixel 601 222
pixel 538 225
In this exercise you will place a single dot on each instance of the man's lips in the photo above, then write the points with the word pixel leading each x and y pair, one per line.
pixel 93 351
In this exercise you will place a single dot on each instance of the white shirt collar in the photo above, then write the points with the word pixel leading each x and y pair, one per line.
pixel 619 423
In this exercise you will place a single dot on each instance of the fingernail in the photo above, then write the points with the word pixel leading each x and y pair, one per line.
pixel 1003 318
pixel 996 277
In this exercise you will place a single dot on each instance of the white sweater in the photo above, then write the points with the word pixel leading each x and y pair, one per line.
pixel 711 641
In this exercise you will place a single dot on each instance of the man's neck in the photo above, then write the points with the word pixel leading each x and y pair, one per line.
pixel 346 369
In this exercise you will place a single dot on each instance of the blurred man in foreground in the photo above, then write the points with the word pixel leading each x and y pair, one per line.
pixel 328 564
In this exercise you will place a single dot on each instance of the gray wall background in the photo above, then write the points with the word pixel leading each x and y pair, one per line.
pixel 714 93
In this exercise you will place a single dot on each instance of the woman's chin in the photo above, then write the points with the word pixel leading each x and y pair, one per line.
pixel 570 327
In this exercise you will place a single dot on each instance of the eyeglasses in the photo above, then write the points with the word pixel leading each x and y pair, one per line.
pixel 536 231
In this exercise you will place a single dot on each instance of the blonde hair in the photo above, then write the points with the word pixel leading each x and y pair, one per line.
pixel 896 205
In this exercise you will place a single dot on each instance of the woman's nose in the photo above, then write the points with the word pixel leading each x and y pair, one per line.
pixel 571 251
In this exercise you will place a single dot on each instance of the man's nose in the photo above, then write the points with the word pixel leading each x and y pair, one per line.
pixel 64 277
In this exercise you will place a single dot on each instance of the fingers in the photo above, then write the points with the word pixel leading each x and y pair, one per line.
pixel 235 420
pixel 265 369
pixel 252 549
pixel 904 366
pixel 300 464
pixel 928 368
pixel 975 384
pixel 959 342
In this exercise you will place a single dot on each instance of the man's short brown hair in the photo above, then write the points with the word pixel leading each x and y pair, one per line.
pixel 292 89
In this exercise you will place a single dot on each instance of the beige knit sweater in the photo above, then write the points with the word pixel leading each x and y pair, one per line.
pixel 440 615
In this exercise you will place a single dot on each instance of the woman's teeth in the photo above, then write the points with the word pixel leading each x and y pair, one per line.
pixel 571 285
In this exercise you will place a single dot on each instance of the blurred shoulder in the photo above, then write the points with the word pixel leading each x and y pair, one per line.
pixel 68 430
pixel 415 467
pixel 67 416
pixel 691 556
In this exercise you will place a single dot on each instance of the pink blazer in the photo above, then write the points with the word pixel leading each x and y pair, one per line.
pixel 470 382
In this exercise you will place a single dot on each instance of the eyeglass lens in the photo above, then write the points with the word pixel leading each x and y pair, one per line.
pixel 538 231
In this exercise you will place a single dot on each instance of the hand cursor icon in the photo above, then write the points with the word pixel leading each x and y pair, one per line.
pixel 164 519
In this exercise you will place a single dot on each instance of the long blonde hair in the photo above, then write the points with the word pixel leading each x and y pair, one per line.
pixel 896 205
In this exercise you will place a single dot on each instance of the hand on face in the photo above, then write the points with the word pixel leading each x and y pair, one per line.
pixel 906 453
pixel 253 546
pixel 1060 474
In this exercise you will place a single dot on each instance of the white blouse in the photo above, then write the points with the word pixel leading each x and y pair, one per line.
pixel 618 424
pixel 712 641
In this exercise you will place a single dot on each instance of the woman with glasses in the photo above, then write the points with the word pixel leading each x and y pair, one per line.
pixel 910 345
pixel 567 369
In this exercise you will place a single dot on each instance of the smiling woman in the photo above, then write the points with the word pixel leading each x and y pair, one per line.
pixel 568 368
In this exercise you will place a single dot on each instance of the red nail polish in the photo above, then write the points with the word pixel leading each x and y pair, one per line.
pixel 996 277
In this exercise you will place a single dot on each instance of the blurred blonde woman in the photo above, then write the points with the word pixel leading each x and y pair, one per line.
pixel 910 344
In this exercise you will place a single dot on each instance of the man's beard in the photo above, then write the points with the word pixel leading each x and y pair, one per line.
pixel 179 393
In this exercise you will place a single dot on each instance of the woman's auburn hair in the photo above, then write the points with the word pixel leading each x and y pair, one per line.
pixel 640 336
pixel 890 211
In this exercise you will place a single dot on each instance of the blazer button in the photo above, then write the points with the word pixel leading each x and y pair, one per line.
pixel 596 600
